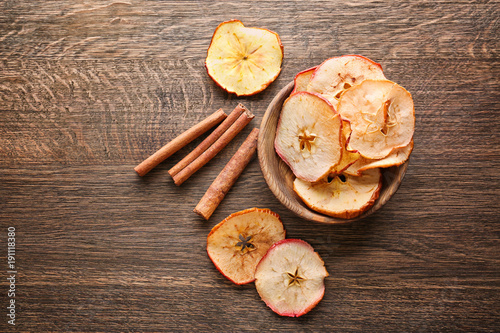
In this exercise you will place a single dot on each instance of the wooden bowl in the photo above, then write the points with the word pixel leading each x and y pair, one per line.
pixel 280 178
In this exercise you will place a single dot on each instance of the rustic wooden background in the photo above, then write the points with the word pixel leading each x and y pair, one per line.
pixel 88 89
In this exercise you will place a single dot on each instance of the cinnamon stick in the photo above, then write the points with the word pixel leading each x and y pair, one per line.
pixel 233 116
pixel 180 141
pixel 227 177
pixel 214 149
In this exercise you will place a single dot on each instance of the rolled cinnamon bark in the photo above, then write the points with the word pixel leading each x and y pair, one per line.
pixel 180 141
pixel 221 129
pixel 227 177
pixel 214 149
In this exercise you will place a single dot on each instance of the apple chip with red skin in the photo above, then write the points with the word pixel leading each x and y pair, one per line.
pixel 243 60
pixel 290 278
pixel 396 157
pixel 348 157
pixel 308 136
pixel 238 243
pixel 382 117
pixel 335 75
pixel 345 196
pixel 302 80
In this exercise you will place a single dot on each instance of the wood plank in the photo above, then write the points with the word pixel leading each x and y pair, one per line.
pixel 139 29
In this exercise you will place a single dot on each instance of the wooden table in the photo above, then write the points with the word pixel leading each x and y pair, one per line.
pixel 88 89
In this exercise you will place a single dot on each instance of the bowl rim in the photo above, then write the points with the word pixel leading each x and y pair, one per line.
pixel 302 210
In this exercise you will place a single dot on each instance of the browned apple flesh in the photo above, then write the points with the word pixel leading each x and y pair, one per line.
pixel 238 243
pixel 348 157
pixel 382 117
pixel 344 196
pixel 396 157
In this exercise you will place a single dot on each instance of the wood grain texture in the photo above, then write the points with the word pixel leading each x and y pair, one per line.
pixel 89 89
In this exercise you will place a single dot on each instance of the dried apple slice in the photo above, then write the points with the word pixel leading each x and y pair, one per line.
pixel 238 243
pixel 382 117
pixel 243 60
pixel 354 169
pixel 348 157
pixel 345 196
pixel 338 74
pixel 290 278
pixel 302 79
pixel 308 135
pixel 396 157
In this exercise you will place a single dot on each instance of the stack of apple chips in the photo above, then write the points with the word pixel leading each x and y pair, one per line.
pixel 343 122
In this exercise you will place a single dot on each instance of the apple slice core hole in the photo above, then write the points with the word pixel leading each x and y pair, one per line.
pixel 245 244
pixel 294 278
pixel 346 86
pixel 341 177
pixel 306 140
